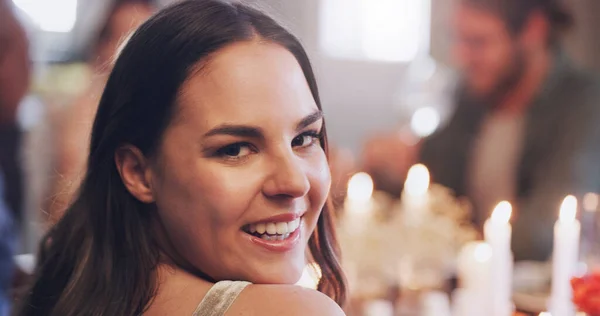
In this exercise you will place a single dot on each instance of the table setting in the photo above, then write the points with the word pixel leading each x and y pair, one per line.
pixel 420 254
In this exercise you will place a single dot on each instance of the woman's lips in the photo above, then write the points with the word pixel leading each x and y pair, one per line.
pixel 278 237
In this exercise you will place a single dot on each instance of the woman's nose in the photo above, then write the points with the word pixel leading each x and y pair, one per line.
pixel 288 178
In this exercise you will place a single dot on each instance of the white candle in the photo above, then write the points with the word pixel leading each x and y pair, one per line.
pixel 472 298
pixel 417 181
pixel 415 197
pixel 378 308
pixel 498 232
pixel 565 258
pixel 435 303
pixel 359 203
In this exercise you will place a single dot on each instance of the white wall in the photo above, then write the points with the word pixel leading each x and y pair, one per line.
pixel 358 97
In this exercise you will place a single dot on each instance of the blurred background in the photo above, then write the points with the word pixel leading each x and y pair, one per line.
pixel 388 73
pixel 362 50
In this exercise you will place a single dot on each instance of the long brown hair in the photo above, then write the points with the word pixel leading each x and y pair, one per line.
pixel 101 257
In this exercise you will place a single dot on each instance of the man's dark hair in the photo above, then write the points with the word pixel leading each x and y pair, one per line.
pixel 516 13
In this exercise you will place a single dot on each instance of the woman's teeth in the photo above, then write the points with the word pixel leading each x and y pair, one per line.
pixel 273 231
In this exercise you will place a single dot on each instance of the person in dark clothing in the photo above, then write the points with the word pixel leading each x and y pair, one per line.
pixel 14 82
pixel 526 127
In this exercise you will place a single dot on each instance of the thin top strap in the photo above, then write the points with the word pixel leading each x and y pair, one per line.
pixel 219 298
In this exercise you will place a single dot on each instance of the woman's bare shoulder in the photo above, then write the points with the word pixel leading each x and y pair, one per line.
pixel 283 300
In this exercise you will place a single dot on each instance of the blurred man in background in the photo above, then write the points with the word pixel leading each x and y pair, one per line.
pixel 14 83
pixel 526 127
pixel 527 124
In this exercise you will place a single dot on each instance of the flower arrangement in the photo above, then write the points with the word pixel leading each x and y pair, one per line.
pixel 586 293
pixel 392 251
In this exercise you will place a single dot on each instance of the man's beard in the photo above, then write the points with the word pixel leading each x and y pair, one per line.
pixel 506 82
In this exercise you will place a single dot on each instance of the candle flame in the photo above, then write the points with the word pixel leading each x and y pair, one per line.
pixel 360 187
pixel 417 181
pixel 590 202
pixel 483 252
pixel 502 213
pixel 568 209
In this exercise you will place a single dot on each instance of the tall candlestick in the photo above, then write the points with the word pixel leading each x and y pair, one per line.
pixel 565 258
pixel 357 219
pixel 472 299
pixel 498 232
pixel 359 202
pixel 415 197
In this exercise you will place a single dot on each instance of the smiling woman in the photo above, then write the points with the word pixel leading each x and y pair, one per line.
pixel 207 175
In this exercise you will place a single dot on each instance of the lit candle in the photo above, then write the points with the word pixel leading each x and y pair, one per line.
pixel 415 197
pixel 356 220
pixel 498 232
pixel 359 202
pixel 565 258
pixel 417 181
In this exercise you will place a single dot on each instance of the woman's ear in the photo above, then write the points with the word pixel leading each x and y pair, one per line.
pixel 135 172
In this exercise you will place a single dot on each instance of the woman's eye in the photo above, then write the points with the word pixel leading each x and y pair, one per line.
pixel 306 139
pixel 235 151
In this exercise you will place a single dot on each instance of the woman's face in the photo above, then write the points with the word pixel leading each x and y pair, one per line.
pixel 241 178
